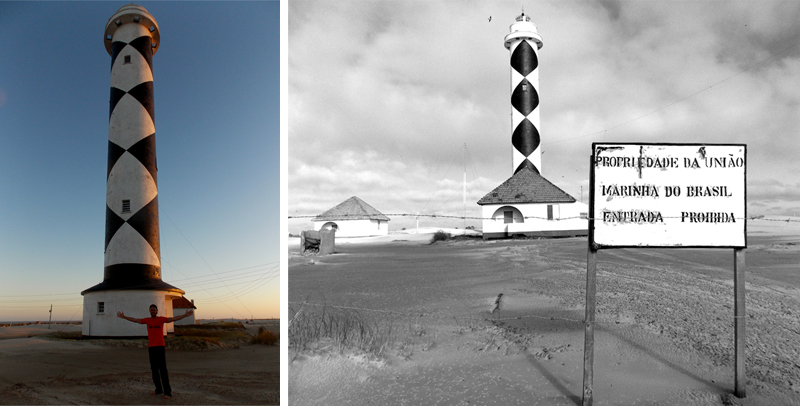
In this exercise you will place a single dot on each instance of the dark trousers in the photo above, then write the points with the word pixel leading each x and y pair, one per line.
pixel 158 364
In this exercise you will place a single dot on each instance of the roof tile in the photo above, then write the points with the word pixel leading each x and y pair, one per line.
pixel 526 186
pixel 352 209
pixel 182 303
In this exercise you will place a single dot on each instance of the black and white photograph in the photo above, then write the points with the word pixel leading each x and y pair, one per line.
pixel 543 203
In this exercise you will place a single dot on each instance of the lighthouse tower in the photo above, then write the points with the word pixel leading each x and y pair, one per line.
pixel 527 203
pixel 524 43
pixel 132 276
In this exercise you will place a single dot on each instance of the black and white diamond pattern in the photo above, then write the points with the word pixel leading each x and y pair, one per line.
pixel 132 237
pixel 525 102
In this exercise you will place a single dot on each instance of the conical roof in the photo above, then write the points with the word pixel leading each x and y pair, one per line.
pixel 526 186
pixel 352 209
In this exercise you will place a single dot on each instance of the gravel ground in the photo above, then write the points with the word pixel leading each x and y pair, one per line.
pixel 36 370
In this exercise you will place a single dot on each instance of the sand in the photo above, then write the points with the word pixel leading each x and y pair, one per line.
pixel 664 333
pixel 37 370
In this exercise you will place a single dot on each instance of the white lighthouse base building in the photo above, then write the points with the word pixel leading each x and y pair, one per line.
pixel 527 204
pixel 353 218
pixel 534 220
pixel 100 311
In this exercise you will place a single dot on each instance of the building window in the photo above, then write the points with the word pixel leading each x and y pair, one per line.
pixel 101 307
pixel 508 217
pixel 549 211
pixel 127 59
pixel 524 87
pixel 126 206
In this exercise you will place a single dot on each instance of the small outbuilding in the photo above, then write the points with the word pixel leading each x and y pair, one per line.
pixel 353 218
pixel 181 306
pixel 528 204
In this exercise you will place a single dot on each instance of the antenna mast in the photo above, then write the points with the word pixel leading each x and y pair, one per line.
pixel 465 188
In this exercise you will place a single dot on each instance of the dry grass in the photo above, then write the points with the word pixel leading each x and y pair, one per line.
pixel 440 236
pixel 215 325
pixel 264 337
pixel 349 329
pixel 345 328
pixel 195 343
pixel 64 335
pixel 208 336
pixel 195 332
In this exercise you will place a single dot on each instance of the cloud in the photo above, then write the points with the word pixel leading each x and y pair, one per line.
pixel 384 96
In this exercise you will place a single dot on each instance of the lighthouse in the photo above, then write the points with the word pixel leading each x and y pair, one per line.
pixel 524 42
pixel 528 204
pixel 132 265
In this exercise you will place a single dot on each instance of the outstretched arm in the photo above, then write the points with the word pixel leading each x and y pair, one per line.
pixel 176 318
pixel 123 316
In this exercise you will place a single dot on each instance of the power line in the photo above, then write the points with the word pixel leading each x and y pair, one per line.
pixel 537 217
pixel 229 277
pixel 201 257
pixel 249 283
pixel 212 295
pixel 259 277
pixel 48 295
pixel 53 295
pixel 264 282
pixel 679 100
pixel 31 303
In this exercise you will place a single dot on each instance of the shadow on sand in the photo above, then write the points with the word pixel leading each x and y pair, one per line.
pixel 559 384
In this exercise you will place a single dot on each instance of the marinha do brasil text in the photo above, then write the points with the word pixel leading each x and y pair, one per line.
pixel 654 191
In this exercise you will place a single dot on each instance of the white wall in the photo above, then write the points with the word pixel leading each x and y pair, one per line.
pixel 357 228
pixel 134 303
pixel 186 321
pixel 562 218
pixel 168 313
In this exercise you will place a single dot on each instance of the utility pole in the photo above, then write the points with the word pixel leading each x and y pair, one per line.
pixel 465 200
pixel 465 188
pixel 51 317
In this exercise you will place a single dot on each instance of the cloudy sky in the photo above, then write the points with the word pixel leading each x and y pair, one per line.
pixel 216 89
pixel 393 101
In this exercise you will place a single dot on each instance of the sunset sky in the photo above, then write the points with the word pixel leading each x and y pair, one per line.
pixel 216 85
pixel 393 101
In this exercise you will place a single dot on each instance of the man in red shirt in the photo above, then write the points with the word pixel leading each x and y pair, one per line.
pixel 155 335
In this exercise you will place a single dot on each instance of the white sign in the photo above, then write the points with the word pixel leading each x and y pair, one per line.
pixel 668 195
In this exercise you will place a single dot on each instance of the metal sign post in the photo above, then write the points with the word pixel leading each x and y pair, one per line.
pixel 588 340
pixel 591 288
pixel 739 320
